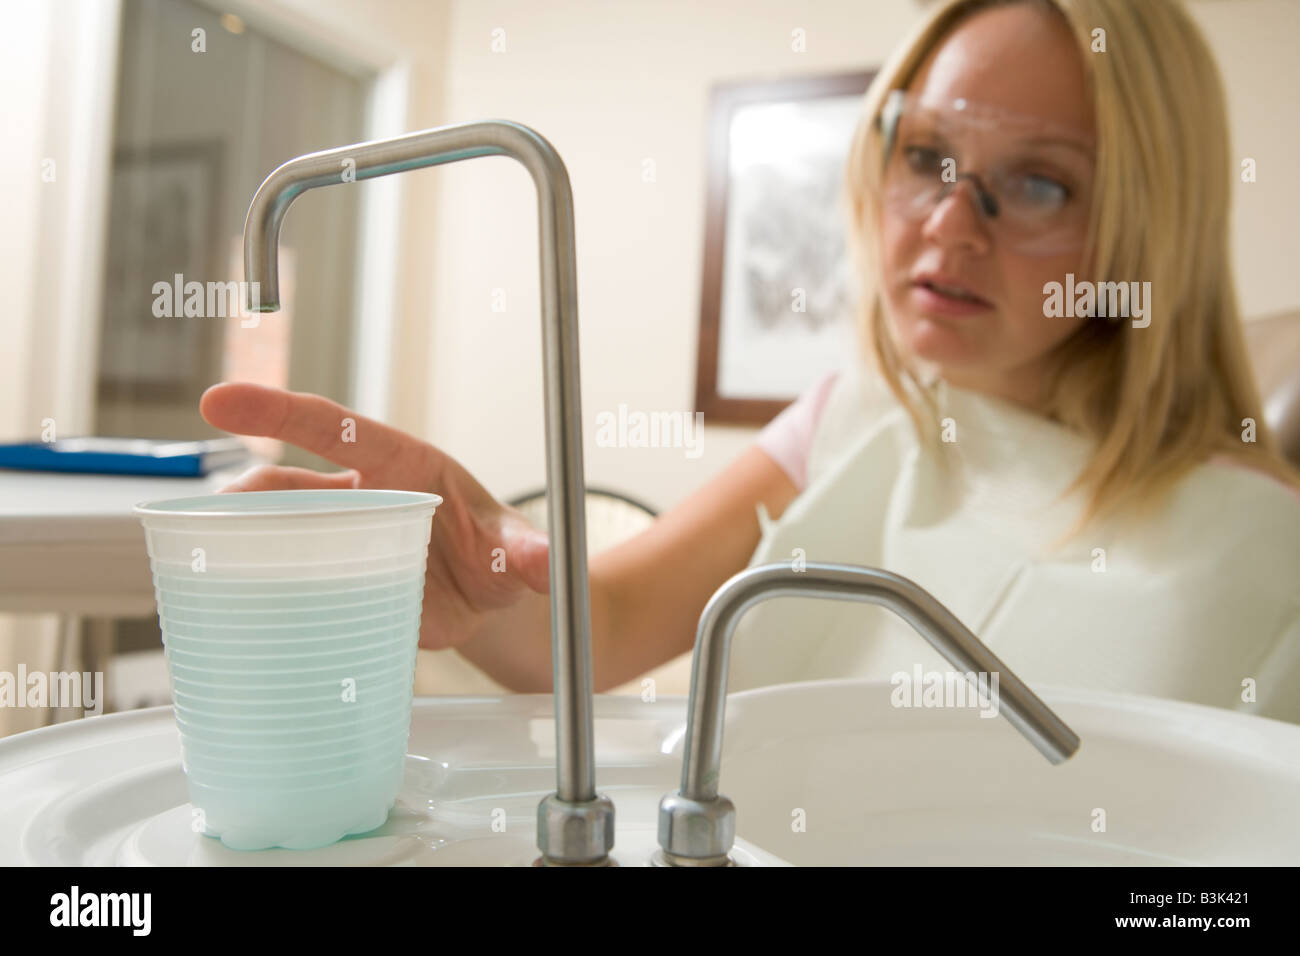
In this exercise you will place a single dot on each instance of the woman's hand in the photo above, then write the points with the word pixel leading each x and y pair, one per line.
pixel 461 591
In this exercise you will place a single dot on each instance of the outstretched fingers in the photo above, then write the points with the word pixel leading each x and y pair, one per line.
pixel 311 422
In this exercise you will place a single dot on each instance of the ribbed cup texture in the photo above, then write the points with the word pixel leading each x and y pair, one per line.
pixel 291 643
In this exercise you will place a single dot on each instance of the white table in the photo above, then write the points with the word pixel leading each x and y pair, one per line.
pixel 70 544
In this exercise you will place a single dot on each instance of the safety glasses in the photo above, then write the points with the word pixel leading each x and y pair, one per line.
pixel 1030 180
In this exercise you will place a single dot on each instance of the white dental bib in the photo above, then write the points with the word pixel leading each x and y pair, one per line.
pixel 1198 596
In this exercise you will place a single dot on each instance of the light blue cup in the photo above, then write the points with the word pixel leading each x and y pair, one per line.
pixel 290 622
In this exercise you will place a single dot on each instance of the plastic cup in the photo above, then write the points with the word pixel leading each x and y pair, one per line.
pixel 290 621
pixel 237 747
pixel 206 670
pixel 273 653
pixel 197 681
pixel 233 631
pixel 271 780
pixel 333 715
pixel 269 606
pixel 258 740
pixel 275 703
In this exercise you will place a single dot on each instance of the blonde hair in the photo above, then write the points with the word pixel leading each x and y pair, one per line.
pixel 1157 400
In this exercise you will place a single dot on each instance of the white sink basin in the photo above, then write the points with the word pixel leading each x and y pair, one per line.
pixel 877 785
pixel 110 790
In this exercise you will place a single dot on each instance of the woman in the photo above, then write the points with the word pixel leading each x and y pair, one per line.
pixel 1075 486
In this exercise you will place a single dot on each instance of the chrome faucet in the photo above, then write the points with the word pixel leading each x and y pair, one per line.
pixel 575 825
pixel 697 825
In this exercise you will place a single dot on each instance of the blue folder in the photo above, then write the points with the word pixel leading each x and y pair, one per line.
pixel 125 456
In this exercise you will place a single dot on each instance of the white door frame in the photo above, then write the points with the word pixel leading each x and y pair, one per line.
pixel 318 29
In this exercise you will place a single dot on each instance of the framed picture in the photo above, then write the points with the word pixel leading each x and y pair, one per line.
pixel 776 305
pixel 163 211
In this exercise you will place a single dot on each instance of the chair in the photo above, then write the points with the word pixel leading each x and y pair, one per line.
pixel 612 516
pixel 1274 347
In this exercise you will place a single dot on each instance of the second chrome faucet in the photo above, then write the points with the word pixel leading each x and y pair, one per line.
pixel 697 825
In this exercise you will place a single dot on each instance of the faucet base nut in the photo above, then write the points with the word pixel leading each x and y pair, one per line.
pixel 701 830
pixel 575 834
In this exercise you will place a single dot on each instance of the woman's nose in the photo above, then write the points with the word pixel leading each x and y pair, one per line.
pixel 956 220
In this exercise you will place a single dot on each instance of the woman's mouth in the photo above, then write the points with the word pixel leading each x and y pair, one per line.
pixel 934 296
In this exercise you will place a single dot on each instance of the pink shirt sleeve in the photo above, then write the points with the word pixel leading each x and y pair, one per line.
pixel 787 439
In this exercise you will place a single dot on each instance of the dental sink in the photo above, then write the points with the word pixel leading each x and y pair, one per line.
pixel 111 791
pixel 824 773
pixel 876 785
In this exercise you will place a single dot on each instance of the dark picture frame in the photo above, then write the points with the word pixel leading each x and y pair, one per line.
pixel 775 165
pixel 165 210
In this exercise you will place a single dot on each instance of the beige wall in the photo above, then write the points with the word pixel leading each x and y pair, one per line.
pixel 609 85
pixel 1256 43
pixel 612 83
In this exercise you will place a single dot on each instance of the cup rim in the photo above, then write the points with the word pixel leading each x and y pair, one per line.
pixel 368 501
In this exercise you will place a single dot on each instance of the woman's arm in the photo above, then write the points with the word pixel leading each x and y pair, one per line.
pixel 648 592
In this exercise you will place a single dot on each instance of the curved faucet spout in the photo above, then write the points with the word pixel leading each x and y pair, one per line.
pixel 430 147
pixel 696 824
pixel 575 824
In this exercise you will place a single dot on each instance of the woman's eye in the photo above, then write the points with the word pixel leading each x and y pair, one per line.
pixel 923 159
pixel 1041 192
